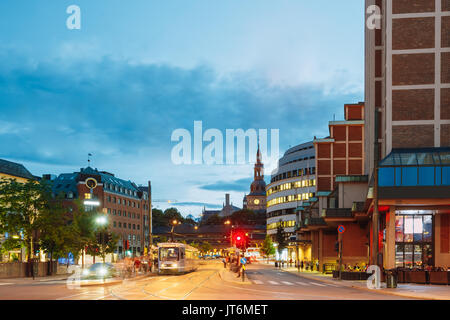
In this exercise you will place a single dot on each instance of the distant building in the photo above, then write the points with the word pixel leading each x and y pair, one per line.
pixel 256 199
pixel 227 210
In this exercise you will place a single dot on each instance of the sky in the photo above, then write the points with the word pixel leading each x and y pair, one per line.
pixel 138 70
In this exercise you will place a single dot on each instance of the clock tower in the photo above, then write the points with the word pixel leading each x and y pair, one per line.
pixel 256 199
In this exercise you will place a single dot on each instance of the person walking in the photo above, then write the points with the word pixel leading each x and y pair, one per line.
pixel 224 263
pixel 301 265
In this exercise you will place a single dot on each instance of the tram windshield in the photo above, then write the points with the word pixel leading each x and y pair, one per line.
pixel 169 254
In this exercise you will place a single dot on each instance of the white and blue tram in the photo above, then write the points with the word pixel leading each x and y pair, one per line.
pixel 177 258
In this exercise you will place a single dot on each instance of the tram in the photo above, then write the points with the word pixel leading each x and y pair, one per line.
pixel 177 258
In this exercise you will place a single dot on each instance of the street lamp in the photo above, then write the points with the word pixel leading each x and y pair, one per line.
pixel 228 222
pixel 174 223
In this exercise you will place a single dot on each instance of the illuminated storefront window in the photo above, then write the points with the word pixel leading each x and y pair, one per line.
pixel 413 236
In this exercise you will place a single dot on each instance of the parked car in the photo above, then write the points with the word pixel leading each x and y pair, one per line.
pixel 100 271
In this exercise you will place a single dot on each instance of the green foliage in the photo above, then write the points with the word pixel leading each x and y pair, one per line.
pixel 205 247
pixel 21 205
pixel 267 248
pixel 281 239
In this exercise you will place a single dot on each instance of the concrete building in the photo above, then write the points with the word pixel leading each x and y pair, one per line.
pixel 292 185
pixel 125 204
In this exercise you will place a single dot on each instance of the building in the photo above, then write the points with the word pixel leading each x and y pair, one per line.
pixel 256 199
pixel 340 182
pixel 292 185
pixel 227 210
pixel 15 171
pixel 407 134
pixel 126 205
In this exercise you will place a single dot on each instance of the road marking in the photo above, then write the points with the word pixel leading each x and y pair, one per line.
pixel 257 282
pixel 273 282
pixel 317 284
pixel 333 285
pixel 287 283
pixel 6 284
pixel 302 283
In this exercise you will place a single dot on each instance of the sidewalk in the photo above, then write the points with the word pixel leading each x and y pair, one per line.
pixel 417 291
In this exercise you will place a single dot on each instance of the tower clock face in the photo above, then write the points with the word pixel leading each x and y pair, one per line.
pixel 91 183
pixel 256 201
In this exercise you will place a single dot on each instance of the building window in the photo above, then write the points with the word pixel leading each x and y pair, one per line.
pixel 138 227
pixel 129 226
pixel 114 223
pixel 120 213
pixel 120 224
pixel 134 226
pixel 413 239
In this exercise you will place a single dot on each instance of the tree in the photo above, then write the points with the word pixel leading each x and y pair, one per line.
pixel 281 239
pixel 20 207
pixel 205 247
pixel 267 248
pixel 57 232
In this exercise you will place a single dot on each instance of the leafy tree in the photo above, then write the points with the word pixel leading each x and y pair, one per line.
pixel 57 232
pixel 281 239
pixel 205 247
pixel 20 207
pixel 214 220
pixel 267 248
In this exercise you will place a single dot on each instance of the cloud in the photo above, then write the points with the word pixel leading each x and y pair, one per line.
pixel 53 114
pixel 241 185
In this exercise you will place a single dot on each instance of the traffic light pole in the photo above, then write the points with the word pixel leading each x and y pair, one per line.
pixel 340 255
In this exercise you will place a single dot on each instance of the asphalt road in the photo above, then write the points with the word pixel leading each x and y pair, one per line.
pixel 207 283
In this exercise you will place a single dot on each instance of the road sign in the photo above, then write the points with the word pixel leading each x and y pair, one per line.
pixel 341 229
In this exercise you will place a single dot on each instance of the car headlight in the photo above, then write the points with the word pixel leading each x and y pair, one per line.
pixel 102 271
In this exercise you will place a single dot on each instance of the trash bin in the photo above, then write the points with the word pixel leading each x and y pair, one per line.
pixel 391 279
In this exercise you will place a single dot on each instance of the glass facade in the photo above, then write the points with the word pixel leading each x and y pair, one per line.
pixel 413 239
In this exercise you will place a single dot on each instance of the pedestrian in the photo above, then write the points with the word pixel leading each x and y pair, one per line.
pixel 224 263
pixel 317 265
pixel 290 262
pixel 301 265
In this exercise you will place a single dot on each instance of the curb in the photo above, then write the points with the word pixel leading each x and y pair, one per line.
pixel 398 294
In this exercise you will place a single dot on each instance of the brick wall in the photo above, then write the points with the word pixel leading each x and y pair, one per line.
pixel 413 104
pixel 412 136
pixel 412 6
pixel 413 69
pixel 413 33
pixel 445 103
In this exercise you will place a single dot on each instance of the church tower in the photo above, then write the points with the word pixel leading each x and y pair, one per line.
pixel 256 199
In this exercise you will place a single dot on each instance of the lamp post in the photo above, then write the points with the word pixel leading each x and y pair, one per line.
pixel 228 222
pixel 102 222
pixel 174 222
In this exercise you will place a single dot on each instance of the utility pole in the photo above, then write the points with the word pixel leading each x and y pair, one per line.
pixel 340 255
pixel 150 214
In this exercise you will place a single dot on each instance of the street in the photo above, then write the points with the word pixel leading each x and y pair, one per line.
pixel 209 282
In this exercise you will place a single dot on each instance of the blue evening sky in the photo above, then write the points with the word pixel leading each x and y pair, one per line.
pixel 137 70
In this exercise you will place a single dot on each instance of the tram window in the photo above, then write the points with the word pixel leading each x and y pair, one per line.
pixel 181 254
pixel 169 253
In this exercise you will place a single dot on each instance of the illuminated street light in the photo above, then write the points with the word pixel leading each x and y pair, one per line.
pixel 101 220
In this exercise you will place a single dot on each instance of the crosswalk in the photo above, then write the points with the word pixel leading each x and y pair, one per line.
pixel 288 283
